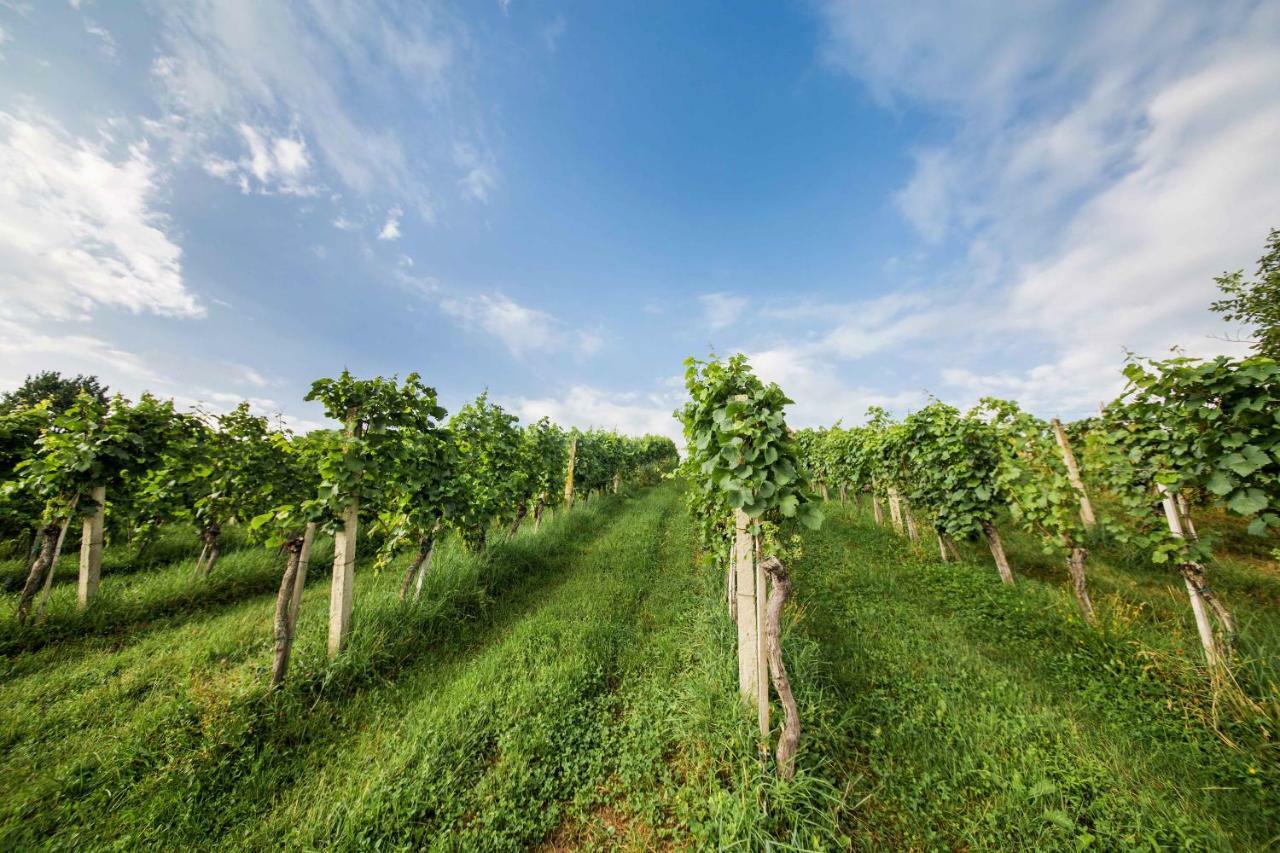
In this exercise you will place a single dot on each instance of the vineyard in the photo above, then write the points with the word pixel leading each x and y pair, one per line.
pixel 956 629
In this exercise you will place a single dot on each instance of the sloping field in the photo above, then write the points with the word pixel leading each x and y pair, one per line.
pixel 577 688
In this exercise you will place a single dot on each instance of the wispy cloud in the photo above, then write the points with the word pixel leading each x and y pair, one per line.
pixel 722 310
pixel 292 65
pixel 520 329
pixel 1106 163
pixel 391 228
pixel 585 406
pixel 80 227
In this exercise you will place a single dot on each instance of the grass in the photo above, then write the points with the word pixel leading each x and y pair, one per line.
pixel 577 689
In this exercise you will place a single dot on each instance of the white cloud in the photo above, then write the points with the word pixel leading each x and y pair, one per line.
pixel 722 309
pixel 325 68
pixel 391 228
pixel 69 352
pixel 80 228
pixel 519 328
pixel 271 164
pixel 344 224
pixel 480 175
pixel 106 41
pixel 1106 163
pixel 821 394
pixel 585 407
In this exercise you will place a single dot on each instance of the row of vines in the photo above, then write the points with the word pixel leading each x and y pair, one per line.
pixel 395 466
pixel 1186 434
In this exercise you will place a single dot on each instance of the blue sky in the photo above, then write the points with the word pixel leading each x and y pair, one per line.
pixel 559 202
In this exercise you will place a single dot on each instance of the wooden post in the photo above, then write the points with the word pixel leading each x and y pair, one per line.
pixel 344 571
pixel 745 593
pixel 876 512
pixel 762 643
pixel 895 509
pixel 91 548
pixel 568 480
pixel 300 580
pixel 1203 626
pixel 1073 473
pixel 997 552
pixel 912 532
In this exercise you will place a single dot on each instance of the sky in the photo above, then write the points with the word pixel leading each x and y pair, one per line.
pixel 218 200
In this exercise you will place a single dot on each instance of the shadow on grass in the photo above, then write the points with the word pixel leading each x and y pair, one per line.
pixel 205 740
pixel 125 611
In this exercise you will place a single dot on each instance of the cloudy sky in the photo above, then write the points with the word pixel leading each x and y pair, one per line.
pixel 559 202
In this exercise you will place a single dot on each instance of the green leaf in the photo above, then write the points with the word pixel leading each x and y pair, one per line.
pixel 1248 502
pixel 1220 484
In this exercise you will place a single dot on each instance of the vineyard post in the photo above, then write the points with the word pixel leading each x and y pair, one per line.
pixel 568 480
pixel 344 566
pixel 308 538
pixel 895 509
pixel 876 512
pixel 1203 625
pixel 1185 510
pixel 997 552
pixel 942 547
pixel 745 594
pixel 762 641
pixel 912 532
pixel 1073 473
pixel 91 548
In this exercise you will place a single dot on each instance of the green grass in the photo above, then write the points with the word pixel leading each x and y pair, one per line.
pixel 577 689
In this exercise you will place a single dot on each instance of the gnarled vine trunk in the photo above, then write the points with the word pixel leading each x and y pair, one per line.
pixel 1075 567
pixel 411 574
pixel 538 509
pixel 42 563
pixel 284 623
pixel 423 567
pixel 300 581
pixel 521 511
pixel 53 567
pixel 789 739
pixel 209 554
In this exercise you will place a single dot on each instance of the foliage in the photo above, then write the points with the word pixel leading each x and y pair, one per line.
pixel 957 461
pixel 1189 424
pixel 1257 302
pixel 52 387
pixel 382 420
pixel 491 479
pixel 741 455
pixel 1032 476
pixel 19 429
pixel 92 444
